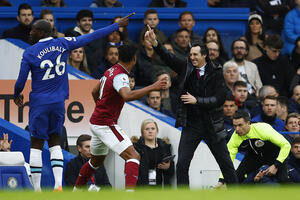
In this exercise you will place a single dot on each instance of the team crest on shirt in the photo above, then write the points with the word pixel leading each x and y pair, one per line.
pixel 259 143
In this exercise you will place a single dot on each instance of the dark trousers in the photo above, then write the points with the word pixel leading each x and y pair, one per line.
pixel 191 136
pixel 252 162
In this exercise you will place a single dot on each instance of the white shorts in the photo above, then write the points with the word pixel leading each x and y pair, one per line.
pixel 108 137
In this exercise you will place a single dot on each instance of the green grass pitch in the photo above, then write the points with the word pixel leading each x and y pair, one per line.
pixel 233 193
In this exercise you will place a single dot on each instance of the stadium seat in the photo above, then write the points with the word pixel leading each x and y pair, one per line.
pixel 13 174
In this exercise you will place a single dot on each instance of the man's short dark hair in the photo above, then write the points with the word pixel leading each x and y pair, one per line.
pixel 82 138
pixel 127 52
pixel 150 11
pixel 160 93
pixel 296 140
pixel 161 72
pixel 84 13
pixel 45 12
pixel 186 13
pixel 181 30
pixel 240 84
pixel 274 41
pixel 24 6
pixel 283 101
pixel 240 40
pixel 230 98
pixel 270 97
pixel 203 47
pixel 242 114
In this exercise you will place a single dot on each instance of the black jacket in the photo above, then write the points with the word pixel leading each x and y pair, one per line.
pixel 278 73
pixel 72 170
pixel 19 32
pixel 210 103
pixel 162 176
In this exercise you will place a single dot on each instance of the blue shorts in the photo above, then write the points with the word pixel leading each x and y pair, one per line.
pixel 45 120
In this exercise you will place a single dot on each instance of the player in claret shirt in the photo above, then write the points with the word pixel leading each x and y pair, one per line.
pixel 110 94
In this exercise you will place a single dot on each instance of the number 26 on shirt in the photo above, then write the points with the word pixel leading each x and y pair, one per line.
pixel 60 68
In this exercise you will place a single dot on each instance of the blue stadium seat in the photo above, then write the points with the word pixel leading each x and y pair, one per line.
pixel 14 177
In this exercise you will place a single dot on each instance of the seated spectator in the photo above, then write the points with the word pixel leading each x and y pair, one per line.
pixel 268 114
pixel 5 3
pixel 106 3
pixel 247 69
pixel 266 90
pixel 181 43
pixel 273 13
pixel 187 20
pixel 291 30
pixel 292 124
pixel 212 34
pixel 73 167
pixel 214 52
pixel 151 19
pixel 231 75
pixel 294 101
pixel 282 108
pixel 271 65
pixel 48 15
pixel 168 94
pixel 77 59
pixel 110 58
pixel 153 150
pixel 53 3
pixel 243 99
pixel 294 161
pixel 22 30
pixel 131 81
pixel 296 55
pixel 154 101
pixel 229 109
pixel 84 20
pixel 168 3
pixel 255 37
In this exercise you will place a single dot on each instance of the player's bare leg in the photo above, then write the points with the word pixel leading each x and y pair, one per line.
pixel 57 160
pixel 35 162
pixel 132 159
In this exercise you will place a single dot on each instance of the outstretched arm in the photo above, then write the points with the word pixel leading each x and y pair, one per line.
pixel 170 59
pixel 129 95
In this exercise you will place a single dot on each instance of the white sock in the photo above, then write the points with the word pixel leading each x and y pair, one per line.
pixel 57 163
pixel 36 168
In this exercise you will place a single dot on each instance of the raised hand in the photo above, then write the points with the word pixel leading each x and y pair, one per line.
pixel 125 20
pixel 160 84
pixel 5 144
pixel 150 36
pixel 19 100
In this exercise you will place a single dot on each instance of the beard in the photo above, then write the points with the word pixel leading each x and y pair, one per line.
pixel 239 57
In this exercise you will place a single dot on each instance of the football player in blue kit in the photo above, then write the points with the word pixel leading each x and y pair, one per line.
pixel 46 60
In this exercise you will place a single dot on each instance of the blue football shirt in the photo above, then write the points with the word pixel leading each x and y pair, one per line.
pixel 47 61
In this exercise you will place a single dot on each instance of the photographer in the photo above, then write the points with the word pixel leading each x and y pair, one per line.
pixel 156 164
